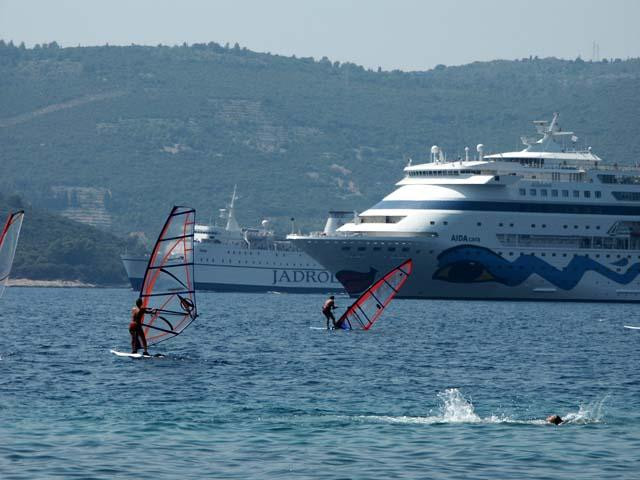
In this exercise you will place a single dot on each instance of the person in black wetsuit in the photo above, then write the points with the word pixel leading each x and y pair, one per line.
pixel 136 330
pixel 327 311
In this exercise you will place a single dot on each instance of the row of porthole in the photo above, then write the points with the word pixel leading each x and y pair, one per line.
pixel 544 225
pixel 253 262
pixel 565 193
pixel 378 249
pixel 553 254
pixel 240 252
pixel 347 248
pixel 544 267
pixel 533 225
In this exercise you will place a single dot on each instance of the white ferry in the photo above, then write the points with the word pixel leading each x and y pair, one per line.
pixel 235 259
pixel 550 222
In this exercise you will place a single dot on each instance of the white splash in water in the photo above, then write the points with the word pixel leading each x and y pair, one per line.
pixel 592 412
pixel 457 409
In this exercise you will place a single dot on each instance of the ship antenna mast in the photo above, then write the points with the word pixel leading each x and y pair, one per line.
pixel 554 122
pixel 232 224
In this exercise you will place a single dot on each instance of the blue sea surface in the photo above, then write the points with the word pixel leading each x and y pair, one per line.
pixel 436 389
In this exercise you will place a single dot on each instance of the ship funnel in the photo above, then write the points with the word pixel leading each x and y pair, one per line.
pixel 336 220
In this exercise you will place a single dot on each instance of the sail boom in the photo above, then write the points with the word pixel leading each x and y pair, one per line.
pixel 167 312
pixel 174 265
pixel 143 295
pixel 183 211
pixel 175 238
pixel 160 329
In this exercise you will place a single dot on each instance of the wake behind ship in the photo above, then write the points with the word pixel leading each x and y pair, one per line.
pixel 550 222
pixel 235 259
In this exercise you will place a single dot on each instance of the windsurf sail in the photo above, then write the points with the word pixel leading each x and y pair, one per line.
pixel 168 290
pixel 370 305
pixel 8 244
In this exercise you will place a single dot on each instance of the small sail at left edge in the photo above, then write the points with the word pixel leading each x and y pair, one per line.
pixel 8 244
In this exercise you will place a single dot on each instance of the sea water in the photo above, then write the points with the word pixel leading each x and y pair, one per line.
pixel 436 389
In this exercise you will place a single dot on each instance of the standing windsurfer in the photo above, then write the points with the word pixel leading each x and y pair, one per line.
pixel 135 328
pixel 327 310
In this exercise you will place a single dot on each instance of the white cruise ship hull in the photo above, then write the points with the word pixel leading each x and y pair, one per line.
pixel 549 222
pixel 225 269
pixel 459 270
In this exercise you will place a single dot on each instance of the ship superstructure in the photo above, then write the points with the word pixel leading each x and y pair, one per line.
pixel 549 222
pixel 232 258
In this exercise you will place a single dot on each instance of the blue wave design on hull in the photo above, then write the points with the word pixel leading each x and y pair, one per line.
pixel 623 262
pixel 473 264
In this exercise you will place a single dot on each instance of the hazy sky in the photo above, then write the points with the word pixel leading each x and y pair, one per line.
pixel 404 34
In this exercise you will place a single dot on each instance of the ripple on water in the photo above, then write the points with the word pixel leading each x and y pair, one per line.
pixel 437 389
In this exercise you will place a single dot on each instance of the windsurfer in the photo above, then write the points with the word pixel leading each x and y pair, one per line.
pixel 135 328
pixel 327 311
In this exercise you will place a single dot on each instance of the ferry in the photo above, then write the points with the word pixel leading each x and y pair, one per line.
pixel 236 259
pixel 548 222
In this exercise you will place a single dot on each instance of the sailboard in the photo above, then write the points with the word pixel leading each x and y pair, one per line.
pixel 168 289
pixel 135 355
pixel 369 306
pixel 8 244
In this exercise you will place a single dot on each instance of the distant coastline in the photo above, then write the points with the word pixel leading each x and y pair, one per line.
pixel 26 282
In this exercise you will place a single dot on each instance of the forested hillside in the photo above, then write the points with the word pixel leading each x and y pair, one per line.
pixel 137 129
pixel 55 248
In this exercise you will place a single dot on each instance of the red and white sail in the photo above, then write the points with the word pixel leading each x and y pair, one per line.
pixel 8 244
pixel 369 306
pixel 168 289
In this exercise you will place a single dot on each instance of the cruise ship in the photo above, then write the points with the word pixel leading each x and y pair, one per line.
pixel 234 259
pixel 548 222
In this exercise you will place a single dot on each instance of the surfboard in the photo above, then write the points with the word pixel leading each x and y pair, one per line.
pixel 631 327
pixel 135 355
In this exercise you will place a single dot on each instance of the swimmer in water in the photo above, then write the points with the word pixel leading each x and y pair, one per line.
pixel 555 419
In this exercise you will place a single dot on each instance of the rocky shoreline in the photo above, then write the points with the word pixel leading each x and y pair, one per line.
pixel 26 282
